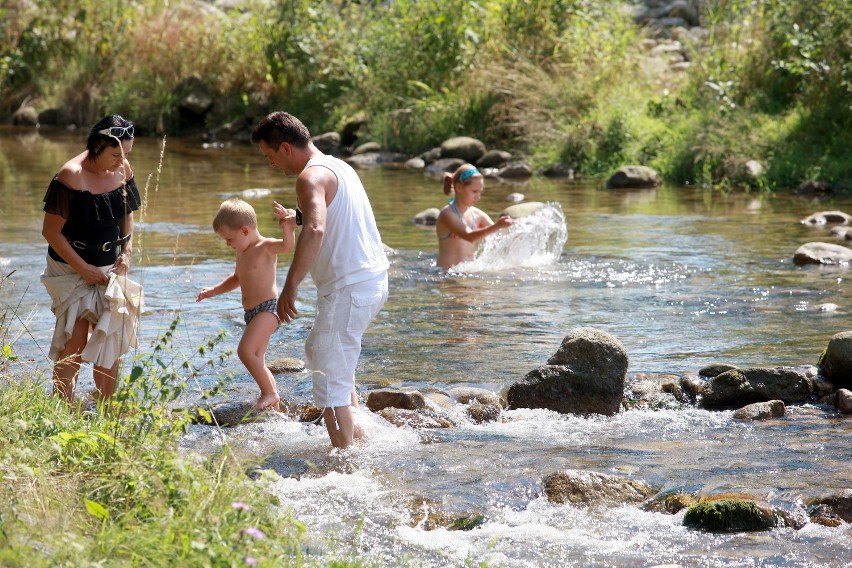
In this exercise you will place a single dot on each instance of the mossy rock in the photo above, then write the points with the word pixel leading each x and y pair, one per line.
pixel 729 515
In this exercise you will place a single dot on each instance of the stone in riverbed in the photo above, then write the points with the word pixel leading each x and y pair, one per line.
pixel 822 253
pixel 761 410
pixel 579 487
pixel 739 387
pixel 585 376
pixel 729 515
pixel 836 363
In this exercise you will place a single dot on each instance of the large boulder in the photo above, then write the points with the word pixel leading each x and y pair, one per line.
pixel 585 376
pixel 585 488
pixel 836 363
pixel 739 387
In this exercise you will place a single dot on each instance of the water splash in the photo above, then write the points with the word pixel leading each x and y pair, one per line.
pixel 531 242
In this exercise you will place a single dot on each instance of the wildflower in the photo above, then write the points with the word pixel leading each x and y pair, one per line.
pixel 251 560
pixel 240 506
pixel 253 532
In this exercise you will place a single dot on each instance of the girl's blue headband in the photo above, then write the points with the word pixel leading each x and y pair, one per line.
pixel 467 174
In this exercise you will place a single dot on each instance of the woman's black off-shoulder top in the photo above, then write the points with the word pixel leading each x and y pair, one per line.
pixel 91 218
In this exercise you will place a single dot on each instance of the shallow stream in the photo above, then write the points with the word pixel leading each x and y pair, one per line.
pixel 682 276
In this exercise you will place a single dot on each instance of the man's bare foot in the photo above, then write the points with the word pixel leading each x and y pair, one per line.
pixel 271 400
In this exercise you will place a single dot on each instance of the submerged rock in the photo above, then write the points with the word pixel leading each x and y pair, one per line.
pixel 229 414
pixel 466 395
pixel 400 417
pixel 670 502
pixel 480 413
pixel 579 487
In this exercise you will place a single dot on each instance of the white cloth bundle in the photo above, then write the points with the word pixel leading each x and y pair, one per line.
pixel 113 308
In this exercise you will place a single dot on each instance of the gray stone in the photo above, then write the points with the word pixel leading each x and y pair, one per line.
pixel 493 159
pixel 367 147
pixel 827 217
pixel 761 410
pixel 427 216
pixel 328 143
pixel 401 417
pixel 843 402
pixel 286 365
pixel 836 363
pixel 384 398
pixel 464 148
pixel 739 387
pixel 515 170
pixel 822 253
pixel 715 369
pixel 444 165
pixel 634 177
pixel 480 413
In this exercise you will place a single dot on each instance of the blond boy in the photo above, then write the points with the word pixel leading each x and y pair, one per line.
pixel 254 275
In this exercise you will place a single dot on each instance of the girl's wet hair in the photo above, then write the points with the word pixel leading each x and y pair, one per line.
pixel 462 175
pixel 98 142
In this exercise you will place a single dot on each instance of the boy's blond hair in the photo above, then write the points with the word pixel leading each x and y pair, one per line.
pixel 233 214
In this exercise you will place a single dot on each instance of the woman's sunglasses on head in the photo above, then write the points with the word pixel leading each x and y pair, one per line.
pixel 117 131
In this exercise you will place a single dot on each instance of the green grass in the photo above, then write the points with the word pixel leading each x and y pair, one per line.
pixel 79 488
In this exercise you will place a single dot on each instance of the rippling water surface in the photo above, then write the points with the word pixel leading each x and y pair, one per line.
pixel 682 276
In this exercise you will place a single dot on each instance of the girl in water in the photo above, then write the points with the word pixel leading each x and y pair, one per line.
pixel 460 224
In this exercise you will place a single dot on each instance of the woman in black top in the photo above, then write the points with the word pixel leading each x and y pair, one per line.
pixel 88 224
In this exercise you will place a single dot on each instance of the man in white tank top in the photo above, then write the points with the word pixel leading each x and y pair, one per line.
pixel 340 246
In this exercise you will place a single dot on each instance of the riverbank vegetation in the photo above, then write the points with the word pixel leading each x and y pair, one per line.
pixel 557 82
pixel 110 485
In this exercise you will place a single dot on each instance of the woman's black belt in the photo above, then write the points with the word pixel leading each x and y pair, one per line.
pixel 105 247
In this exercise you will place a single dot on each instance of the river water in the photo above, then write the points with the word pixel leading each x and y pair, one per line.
pixel 682 276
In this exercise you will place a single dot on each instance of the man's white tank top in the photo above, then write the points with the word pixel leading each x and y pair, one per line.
pixel 352 249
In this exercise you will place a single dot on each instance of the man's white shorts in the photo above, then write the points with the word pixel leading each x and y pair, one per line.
pixel 334 344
